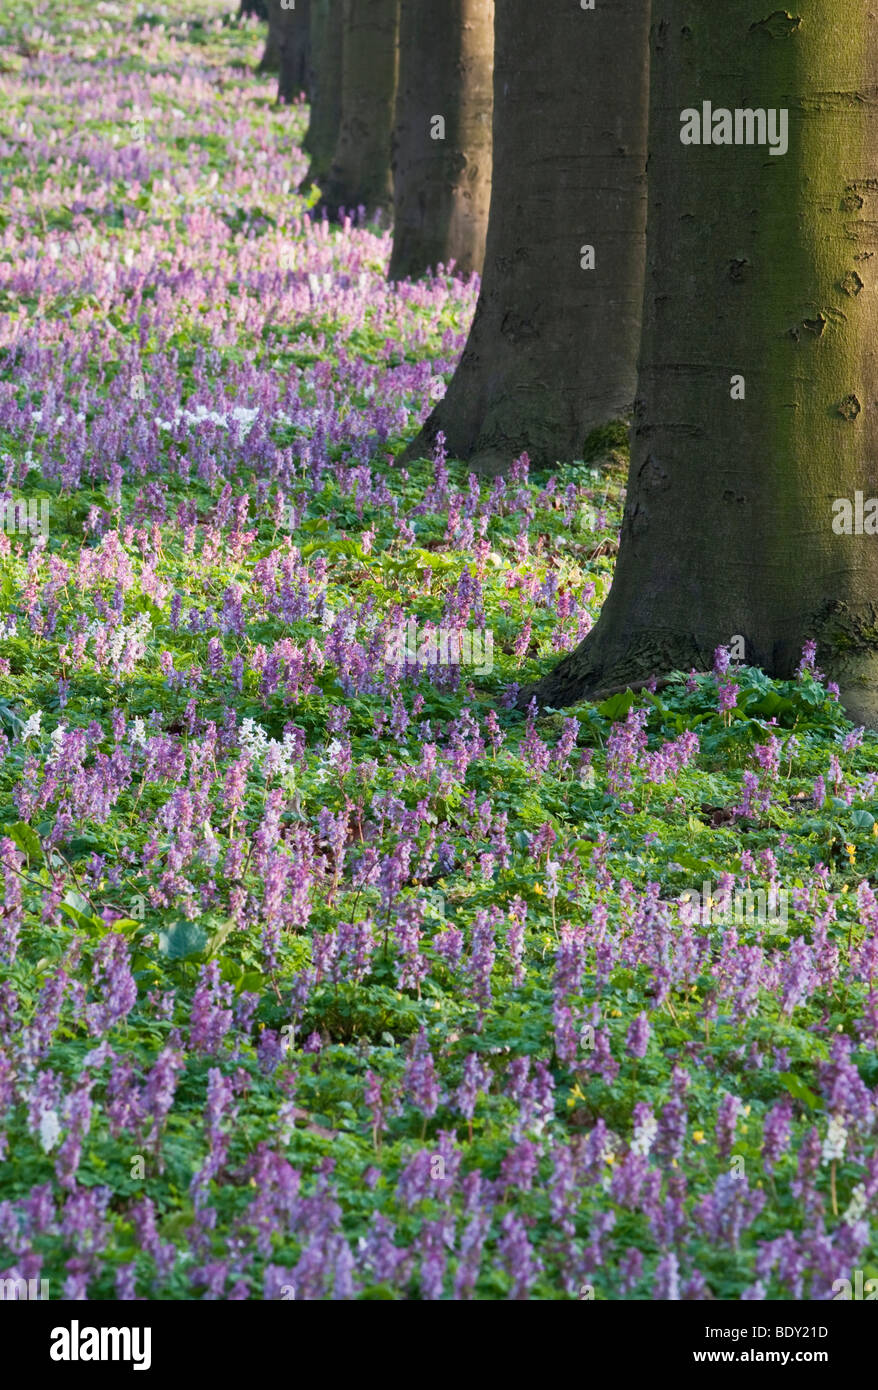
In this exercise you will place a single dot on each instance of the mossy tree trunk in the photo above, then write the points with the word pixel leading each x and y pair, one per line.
pixel 553 347
pixel 442 136
pixel 324 88
pixel 761 267
pixel 360 174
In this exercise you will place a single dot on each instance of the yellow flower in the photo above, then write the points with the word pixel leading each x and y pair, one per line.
pixel 538 888
pixel 698 1136
pixel 852 852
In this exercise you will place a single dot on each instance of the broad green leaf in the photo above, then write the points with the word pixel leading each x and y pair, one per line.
pixel 27 840
pixel 617 706
pixel 181 940
pixel 798 1090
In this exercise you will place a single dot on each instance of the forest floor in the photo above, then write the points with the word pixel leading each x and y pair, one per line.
pixel 323 972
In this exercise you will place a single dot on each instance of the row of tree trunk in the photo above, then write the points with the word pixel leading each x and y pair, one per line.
pixel 553 346
pixel 288 47
pixel 757 400
pixel 756 322
pixel 401 99
pixel 408 124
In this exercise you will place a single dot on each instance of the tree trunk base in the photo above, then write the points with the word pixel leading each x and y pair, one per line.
pixel 598 668
pixel 335 212
pixel 490 452
pixel 486 461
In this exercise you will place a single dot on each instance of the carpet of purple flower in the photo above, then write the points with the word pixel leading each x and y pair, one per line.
pixel 324 973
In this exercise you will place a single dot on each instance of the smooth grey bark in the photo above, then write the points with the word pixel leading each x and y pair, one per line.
pixel 270 60
pixel 289 32
pixel 442 136
pixel 760 267
pixel 553 347
pixel 325 88
pixel 360 174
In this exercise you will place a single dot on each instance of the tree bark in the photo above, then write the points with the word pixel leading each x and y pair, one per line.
pixel 761 266
pixel 325 88
pixel 360 174
pixel 270 60
pixel 289 31
pixel 442 172
pixel 553 347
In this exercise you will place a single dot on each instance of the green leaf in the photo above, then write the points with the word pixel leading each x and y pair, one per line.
pixel 181 940
pixel 617 705
pixel 219 937
pixel 698 866
pixel 78 909
pixel 125 923
pixel 863 820
pixel 798 1090
pixel 27 840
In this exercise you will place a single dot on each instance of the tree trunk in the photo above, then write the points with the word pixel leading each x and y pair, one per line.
pixel 360 172
pixel 553 347
pixel 270 60
pixel 759 266
pixel 289 30
pixel 442 136
pixel 324 87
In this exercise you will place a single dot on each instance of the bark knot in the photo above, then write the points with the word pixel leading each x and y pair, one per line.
pixel 652 476
pixel 852 284
pixel 779 25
